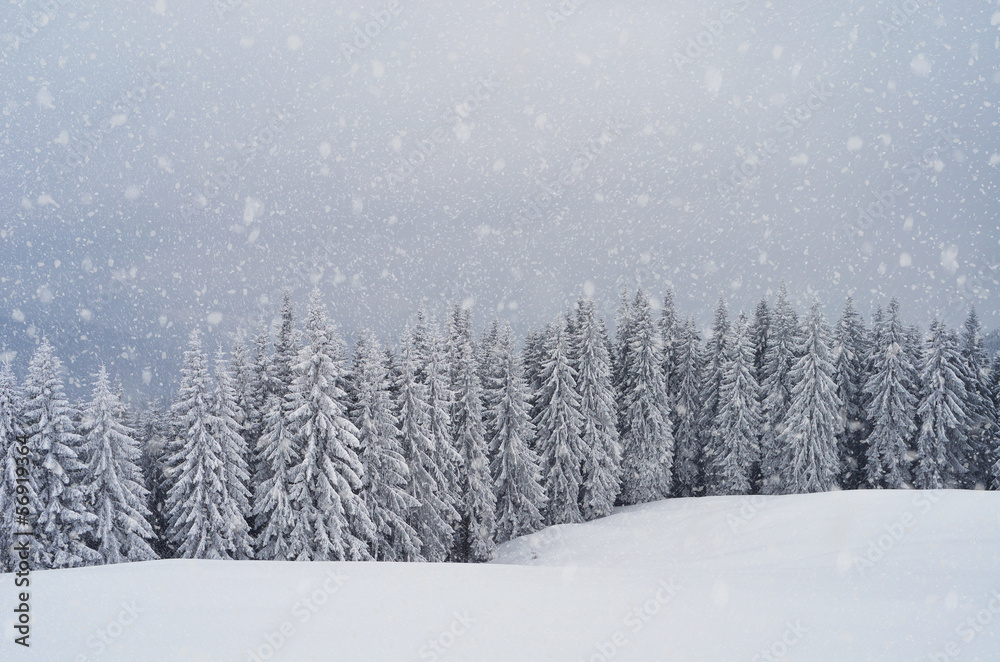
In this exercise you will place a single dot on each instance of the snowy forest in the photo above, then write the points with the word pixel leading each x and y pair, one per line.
pixel 291 447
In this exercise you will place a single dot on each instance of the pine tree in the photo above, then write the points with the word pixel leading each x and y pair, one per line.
pixel 648 441
pixel 981 418
pixel 11 498
pixel 225 428
pixel 328 478
pixel 712 361
pixel 515 467
pixel 386 472
pixel 488 366
pixel 739 417
pixel 434 514
pixel 281 533
pixel 477 503
pixel 112 480
pixel 669 328
pixel 760 330
pixel 259 381
pixel 63 521
pixel 602 465
pixel 891 407
pixel 558 425
pixel 154 431
pixel 850 352
pixel 433 373
pixel 808 439
pixel 994 441
pixel 199 505
pixel 942 444
pixel 687 441
pixel 776 385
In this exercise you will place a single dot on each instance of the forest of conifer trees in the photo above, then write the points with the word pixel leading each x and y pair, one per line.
pixel 292 447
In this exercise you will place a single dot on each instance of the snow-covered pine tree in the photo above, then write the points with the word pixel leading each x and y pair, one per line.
pixel 249 386
pixel 11 432
pixel 386 474
pixel 712 360
pixel 760 329
pixel 621 375
pixel 891 406
pixel 433 373
pixel 850 351
pixel 669 327
pixel 228 431
pixel 808 437
pixel 112 481
pixel 489 364
pixel 260 370
pixel 63 522
pixel 199 506
pixel 515 467
pixel 154 432
pixel 687 441
pixel 433 517
pixel 994 441
pixel 558 425
pixel 739 417
pixel 287 344
pixel 474 536
pixel 328 478
pixel 602 465
pixel 981 418
pixel 942 442
pixel 648 441
pixel 281 533
pixel 776 390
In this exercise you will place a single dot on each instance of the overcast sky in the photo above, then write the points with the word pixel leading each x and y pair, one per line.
pixel 165 165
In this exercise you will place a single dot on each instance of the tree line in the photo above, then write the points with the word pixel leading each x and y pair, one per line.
pixel 290 447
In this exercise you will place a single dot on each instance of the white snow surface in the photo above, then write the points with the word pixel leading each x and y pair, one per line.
pixel 867 575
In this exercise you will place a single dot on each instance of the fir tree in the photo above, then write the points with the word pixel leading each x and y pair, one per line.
pixel 782 352
pixel 712 362
pixel 739 417
pixel 891 407
pixel 981 419
pixel 154 432
pixel 994 442
pixel 760 330
pixel 433 517
pixel 687 441
pixel 11 498
pixel 648 441
pixel 515 467
pixel 112 480
pixel 942 445
pixel 558 426
pixel 228 431
pixel 328 478
pixel 385 470
pixel 63 521
pixel 602 461
pixel 281 533
pixel 808 438
pixel 477 503
pixel 850 352
pixel 669 328
pixel 200 507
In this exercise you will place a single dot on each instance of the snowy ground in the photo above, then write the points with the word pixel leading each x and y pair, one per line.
pixel 841 576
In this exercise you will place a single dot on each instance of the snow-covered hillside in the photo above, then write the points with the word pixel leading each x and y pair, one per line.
pixel 887 575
